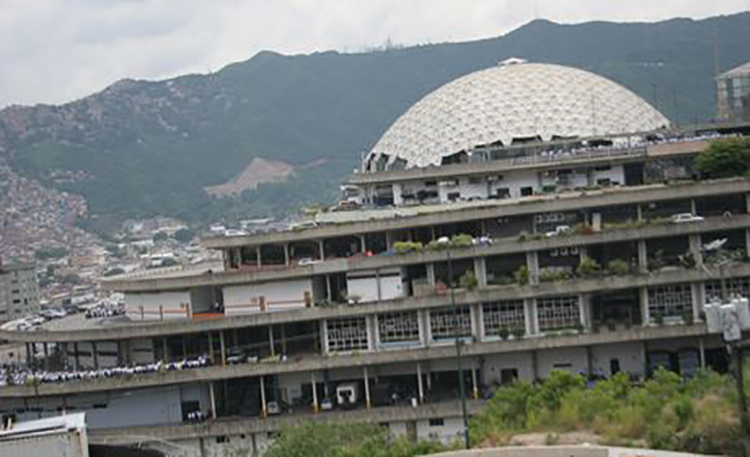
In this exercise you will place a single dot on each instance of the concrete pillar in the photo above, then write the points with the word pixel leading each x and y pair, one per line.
pixel 363 243
pixel 638 212
pixel 368 403
pixel 475 315
pixel 271 342
pixel 28 355
pixel 420 386
pixel 702 352
pixel 643 295
pixel 94 354
pixel 286 254
pixel 316 407
pixel 696 249
pixel 212 396
pixel 65 357
pixel 324 336
pixel 388 241
pixel 45 348
pixel 128 352
pixel 378 285
pixel 699 299
pixel 263 405
pixel 531 320
pixel 372 330
pixel 584 304
pixel 283 339
pixel 474 384
pixel 321 247
pixel 259 262
pixel 422 320
pixel 642 256
pixel 223 347
pixel 693 207
pixel 747 203
pixel 480 270
pixel 747 242
pixel 210 348
pixel 77 358
pixel 532 263
pixel 430 267
pixel 329 291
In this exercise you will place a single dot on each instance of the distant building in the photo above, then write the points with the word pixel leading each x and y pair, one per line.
pixel 19 290
pixel 60 436
pixel 733 94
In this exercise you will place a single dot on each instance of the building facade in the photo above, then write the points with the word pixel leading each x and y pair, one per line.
pixel 19 291
pixel 556 245
pixel 733 94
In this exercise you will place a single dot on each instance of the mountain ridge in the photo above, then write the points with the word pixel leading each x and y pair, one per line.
pixel 147 147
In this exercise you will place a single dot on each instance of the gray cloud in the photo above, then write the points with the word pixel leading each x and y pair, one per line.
pixel 54 51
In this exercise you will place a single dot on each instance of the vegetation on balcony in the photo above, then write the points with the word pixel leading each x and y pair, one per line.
pixel 725 159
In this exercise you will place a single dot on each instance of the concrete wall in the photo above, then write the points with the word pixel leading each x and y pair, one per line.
pixel 495 363
pixel 372 285
pixel 153 303
pixel 629 356
pixel 279 296
pixel 569 359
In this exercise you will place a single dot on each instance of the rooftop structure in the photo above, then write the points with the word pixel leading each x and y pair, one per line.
pixel 19 290
pixel 590 254
pixel 733 94
pixel 515 102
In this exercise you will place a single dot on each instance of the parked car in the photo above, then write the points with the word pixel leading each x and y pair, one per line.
pixel 560 230
pixel 686 217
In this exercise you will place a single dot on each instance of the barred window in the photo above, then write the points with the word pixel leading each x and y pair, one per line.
pixel 507 315
pixel 735 286
pixel 450 323
pixel 398 327
pixel 348 334
pixel 558 313
pixel 670 300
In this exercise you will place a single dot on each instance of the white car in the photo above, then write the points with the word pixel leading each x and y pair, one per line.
pixel 686 217
pixel 559 230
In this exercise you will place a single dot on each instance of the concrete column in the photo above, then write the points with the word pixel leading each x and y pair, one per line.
pixel 223 346
pixel 642 256
pixel 210 347
pixel 45 348
pixel 368 403
pixel 639 212
pixel 363 243
pixel 372 330
pixel 257 256
pixel 283 340
pixel 702 352
pixel 426 326
pixel 329 291
pixel 695 249
pixel 699 299
pixel 286 254
pixel 531 320
pixel 321 246
pixel 474 384
pixel 422 327
pixel 378 285
pixel 324 336
pixel 65 356
pixel 420 386
pixel 747 242
pixel 263 405
pixel 643 295
pixel 271 342
pixel 430 267
pixel 28 354
pixel 316 407
pixel 584 304
pixel 77 358
pixel 94 354
pixel 388 241
pixel 480 270
pixel 212 396
pixel 476 321
pixel 532 263
pixel 693 207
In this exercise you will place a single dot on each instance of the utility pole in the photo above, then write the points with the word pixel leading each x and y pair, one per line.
pixel 461 380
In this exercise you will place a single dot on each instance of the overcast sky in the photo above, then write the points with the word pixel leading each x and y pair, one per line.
pixel 53 51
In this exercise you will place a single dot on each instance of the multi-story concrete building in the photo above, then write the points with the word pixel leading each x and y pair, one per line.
pixel 19 290
pixel 733 94
pixel 542 217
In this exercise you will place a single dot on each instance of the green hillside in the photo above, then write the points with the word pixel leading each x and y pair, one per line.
pixel 150 147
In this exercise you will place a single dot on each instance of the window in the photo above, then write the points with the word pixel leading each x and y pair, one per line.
pixel 558 313
pixel 508 375
pixel 475 180
pixel 735 286
pixel 348 334
pixel 672 300
pixel 450 323
pixel 527 191
pixel 437 422
pixel 399 327
pixel 506 315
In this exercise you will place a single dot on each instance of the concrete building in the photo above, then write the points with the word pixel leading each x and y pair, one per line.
pixel 19 291
pixel 733 94
pixel 556 235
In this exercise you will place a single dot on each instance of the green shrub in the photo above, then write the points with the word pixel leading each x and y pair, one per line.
pixel 521 276
pixel 588 267
pixel 468 280
pixel 462 240
pixel 618 267
pixel 406 247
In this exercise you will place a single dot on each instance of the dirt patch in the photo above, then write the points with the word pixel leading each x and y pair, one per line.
pixel 258 172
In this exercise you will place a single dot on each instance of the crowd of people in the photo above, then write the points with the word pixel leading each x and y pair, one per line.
pixel 106 309
pixel 15 375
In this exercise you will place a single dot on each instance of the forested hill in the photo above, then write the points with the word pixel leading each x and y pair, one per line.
pixel 141 148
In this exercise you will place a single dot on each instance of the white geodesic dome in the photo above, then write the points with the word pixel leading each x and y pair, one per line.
pixel 510 102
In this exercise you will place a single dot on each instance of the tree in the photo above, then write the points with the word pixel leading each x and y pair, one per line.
pixel 160 236
pixel 725 158
pixel 184 235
